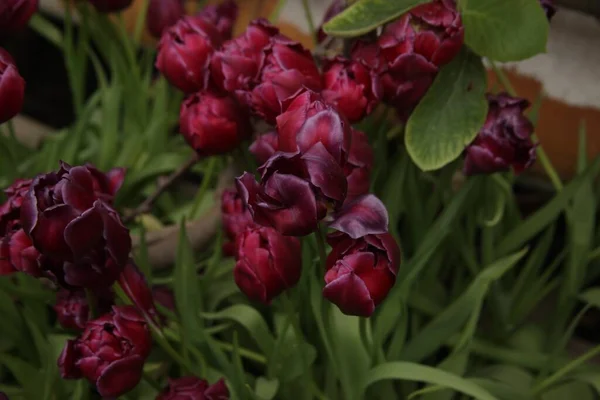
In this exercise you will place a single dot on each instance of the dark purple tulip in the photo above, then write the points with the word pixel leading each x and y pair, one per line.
pixel 213 124
pixel 72 224
pixel 135 286
pixel 296 190
pixel 184 53
pixel 267 263
pixel 110 352
pixel 265 146
pixel 505 139
pixel 222 16
pixel 235 217
pixel 10 211
pixel 72 308
pixel 360 272
pixel 366 215
pixel 351 87
pixel 336 7
pixel 15 14
pixel 164 296
pixel 162 14
pixel 109 6
pixel 549 9
pixel 192 388
pixel 359 165
pixel 309 120
pixel 12 87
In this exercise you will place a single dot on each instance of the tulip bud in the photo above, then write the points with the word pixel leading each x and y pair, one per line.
pixel 549 8
pixel 72 308
pixel 267 263
pixel 351 87
pixel 110 352
pixel 505 139
pixel 360 272
pixel 184 53
pixel 163 14
pixel 213 124
pixel 236 218
pixel 12 87
pixel 192 388
pixel 309 120
pixel 68 221
pixel 336 7
pixel 358 167
pixel 110 6
pixel 15 14
pixel 134 284
pixel 222 16
pixel 164 296
pixel 265 146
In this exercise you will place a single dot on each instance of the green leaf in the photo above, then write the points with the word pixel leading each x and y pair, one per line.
pixel 421 373
pixel 366 15
pixel 505 30
pixel 265 388
pixel 450 115
pixel 454 317
pixel 250 319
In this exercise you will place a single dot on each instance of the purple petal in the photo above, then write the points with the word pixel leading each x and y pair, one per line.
pixel 120 376
pixel 351 295
pixel 366 215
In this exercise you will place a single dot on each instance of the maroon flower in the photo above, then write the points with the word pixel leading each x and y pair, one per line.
pixel 297 190
pixel 366 215
pixel 265 146
pixel 309 120
pixel 163 14
pixel 267 263
pixel 213 124
pixel 70 222
pixel 336 7
pixel 72 308
pixel 164 296
pixel 10 211
pixel 108 6
pixel 236 218
pixel 360 272
pixel 351 87
pixel 222 16
pixel 184 53
pixel 505 139
pixel 549 8
pixel 134 284
pixel 15 14
pixel 17 253
pixel 110 352
pixel 192 388
pixel 359 165
pixel 12 87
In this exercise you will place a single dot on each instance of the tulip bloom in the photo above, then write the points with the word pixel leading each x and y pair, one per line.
pixel 267 263
pixel 192 388
pixel 351 87
pixel 213 124
pixel 15 14
pixel 184 53
pixel 109 6
pixel 69 221
pixel 135 286
pixel 222 16
pixel 72 308
pixel 236 218
pixel 110 352
pixel 163 14
pixel 12 87
pixel 505 139
pixel 358 167
pixel 265 146
pixel 360 272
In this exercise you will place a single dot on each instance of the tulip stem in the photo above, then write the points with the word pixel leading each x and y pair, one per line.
pixel 309 20
pixel 150 381
pixel 274 17
pixel 146 206
pixel 206 178
pixel 320 239
pixel 91 301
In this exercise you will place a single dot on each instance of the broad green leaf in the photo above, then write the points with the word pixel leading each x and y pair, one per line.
pixel 265 388
pixel 366 15
pixel 504 30
pixel 502 390
pixel 455 316
pixel 250 319
pixel 591 296
pixel 571 390
pixel 450 115
pixel 421 373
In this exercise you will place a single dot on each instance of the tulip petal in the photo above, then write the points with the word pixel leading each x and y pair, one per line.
pixel 325 173
pixel 66 362
pixel 365 216
pixel 84 232
pixel 134 285
pixel 120 376
pixel 351 295
pixel 48 233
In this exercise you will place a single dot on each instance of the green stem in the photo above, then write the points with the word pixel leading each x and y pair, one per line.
pixel 146 376
pixel 243 352
pixel 291 314
pixel 551 380
pixel 91 301
pixel 11 130
pixel 504 81
pixel 274 17
pixel 320 239
pixel 208 174
pixel 309 20
pixel 141 21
